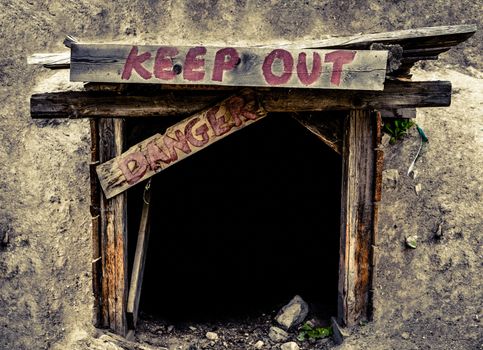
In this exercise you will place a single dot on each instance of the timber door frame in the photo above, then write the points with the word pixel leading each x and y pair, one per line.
pixel 360 194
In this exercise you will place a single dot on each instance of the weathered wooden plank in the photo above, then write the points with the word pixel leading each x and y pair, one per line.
pixel 139 260
pixel 231 66
pixel 113 235
pixel 415 41
pixel 356 216
pixel 327 129
pixel 179 141
pixel 410 39
pixel 95 221
pixel 50 60
pixel 92 104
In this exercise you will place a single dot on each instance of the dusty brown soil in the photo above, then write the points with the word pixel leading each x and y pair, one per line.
pixel 430 297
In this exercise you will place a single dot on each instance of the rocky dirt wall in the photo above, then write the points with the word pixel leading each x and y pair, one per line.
pixel 424 297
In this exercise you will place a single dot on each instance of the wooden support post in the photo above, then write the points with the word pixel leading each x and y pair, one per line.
pixel 139 260
pixel 357 215
pixel 113 233
pixel 95 220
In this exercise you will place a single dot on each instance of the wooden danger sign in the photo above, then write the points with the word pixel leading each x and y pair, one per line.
pixel 178 142
pixel 264 67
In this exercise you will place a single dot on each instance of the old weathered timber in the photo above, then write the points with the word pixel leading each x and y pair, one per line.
pixel 95 219
pixel 327 129
pixel 139 260
pixel 113 227
pixel 231 66
pixel 417 44
pixel 357 211
pixel 179 141
pixel 92 104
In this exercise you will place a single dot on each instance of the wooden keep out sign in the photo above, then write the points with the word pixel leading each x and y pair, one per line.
pixel 339 73
pixel 229 66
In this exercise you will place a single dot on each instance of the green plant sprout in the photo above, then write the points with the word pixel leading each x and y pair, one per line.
pixel 397 128
pixel 309 332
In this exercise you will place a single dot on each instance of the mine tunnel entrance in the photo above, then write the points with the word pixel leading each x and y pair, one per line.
pixel 240 228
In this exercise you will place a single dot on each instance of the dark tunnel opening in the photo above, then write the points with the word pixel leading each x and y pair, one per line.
pixel 242 226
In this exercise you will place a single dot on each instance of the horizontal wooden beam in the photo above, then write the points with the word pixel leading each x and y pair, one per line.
pixel 95 104
pixel 421 43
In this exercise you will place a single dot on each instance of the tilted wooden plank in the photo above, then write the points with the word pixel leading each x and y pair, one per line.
pixel 229 66
pixel 92 104
pixel 408 38
pixel 139 260
pixel 179 141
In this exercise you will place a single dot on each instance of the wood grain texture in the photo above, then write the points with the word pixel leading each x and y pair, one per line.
pixel 229 66
pixel 95 221
pixel 113 227
pixel 181 140
pixel 92 104
pixel 356 216
pixel 327 129
pixel 417 44
pixel 139 261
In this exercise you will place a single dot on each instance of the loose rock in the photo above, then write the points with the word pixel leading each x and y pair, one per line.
pixel 390 177
pixel 439 231
pixel 405 335
pixel 292 314
pixel 212 336
pixel 259 344
pixel 418 188
pixel 412 241
pixel 277 335
pixel 290 346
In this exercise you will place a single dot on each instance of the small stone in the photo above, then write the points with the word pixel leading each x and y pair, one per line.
pixel 385 140
pixel 277 335
pixel 290 346
pixel 192 328
pixel 170 328
pixel 390 177
pixel 292 314
pixel 212 336
pixel 418 188
pixel 439 231
pixel 259 344
pixel 405 335
pixel 54 199
pixel 414 174
pixel 412 241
